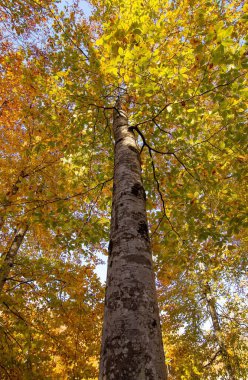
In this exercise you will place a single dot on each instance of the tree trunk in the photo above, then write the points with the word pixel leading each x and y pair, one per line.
pixel 218 331
pixel 131 343
pixel 9 195
pixel 9 256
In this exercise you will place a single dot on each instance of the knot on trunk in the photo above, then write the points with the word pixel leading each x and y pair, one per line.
pixel 138 191
pixel 143 230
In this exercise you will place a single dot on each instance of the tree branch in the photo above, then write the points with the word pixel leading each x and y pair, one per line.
pixel 151 149
pixel 162 199
pixel 212 359
pixel 59 199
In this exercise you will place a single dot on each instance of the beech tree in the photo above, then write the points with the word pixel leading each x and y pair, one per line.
pixel 132 341
pixel 152 85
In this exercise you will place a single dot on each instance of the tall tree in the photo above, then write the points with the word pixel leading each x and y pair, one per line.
pixel 132 341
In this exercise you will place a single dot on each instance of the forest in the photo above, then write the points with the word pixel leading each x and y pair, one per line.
pixel 123 141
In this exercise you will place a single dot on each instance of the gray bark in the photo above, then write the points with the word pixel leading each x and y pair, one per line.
pixel 211 302
pixel 8 257
pixel 132 342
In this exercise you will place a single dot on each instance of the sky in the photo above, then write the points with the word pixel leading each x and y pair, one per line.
pixel 84 5
pixel 101 269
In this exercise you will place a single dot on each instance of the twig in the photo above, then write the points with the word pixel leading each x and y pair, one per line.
pixel 212 359
pixel 185 167
pixel 15 313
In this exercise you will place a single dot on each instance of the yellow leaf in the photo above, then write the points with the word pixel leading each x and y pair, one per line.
pixel 126 78
pixel 120 51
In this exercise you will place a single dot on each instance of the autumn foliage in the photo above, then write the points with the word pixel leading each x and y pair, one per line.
pixel 181 68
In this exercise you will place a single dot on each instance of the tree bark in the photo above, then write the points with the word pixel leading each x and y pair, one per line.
pixel 211 303
pixel 9 256
pixel 132 342
pixel 9 195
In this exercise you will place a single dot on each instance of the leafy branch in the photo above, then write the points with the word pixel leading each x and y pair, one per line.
pixel 182 101
pixel 151 149
pixel 58 199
